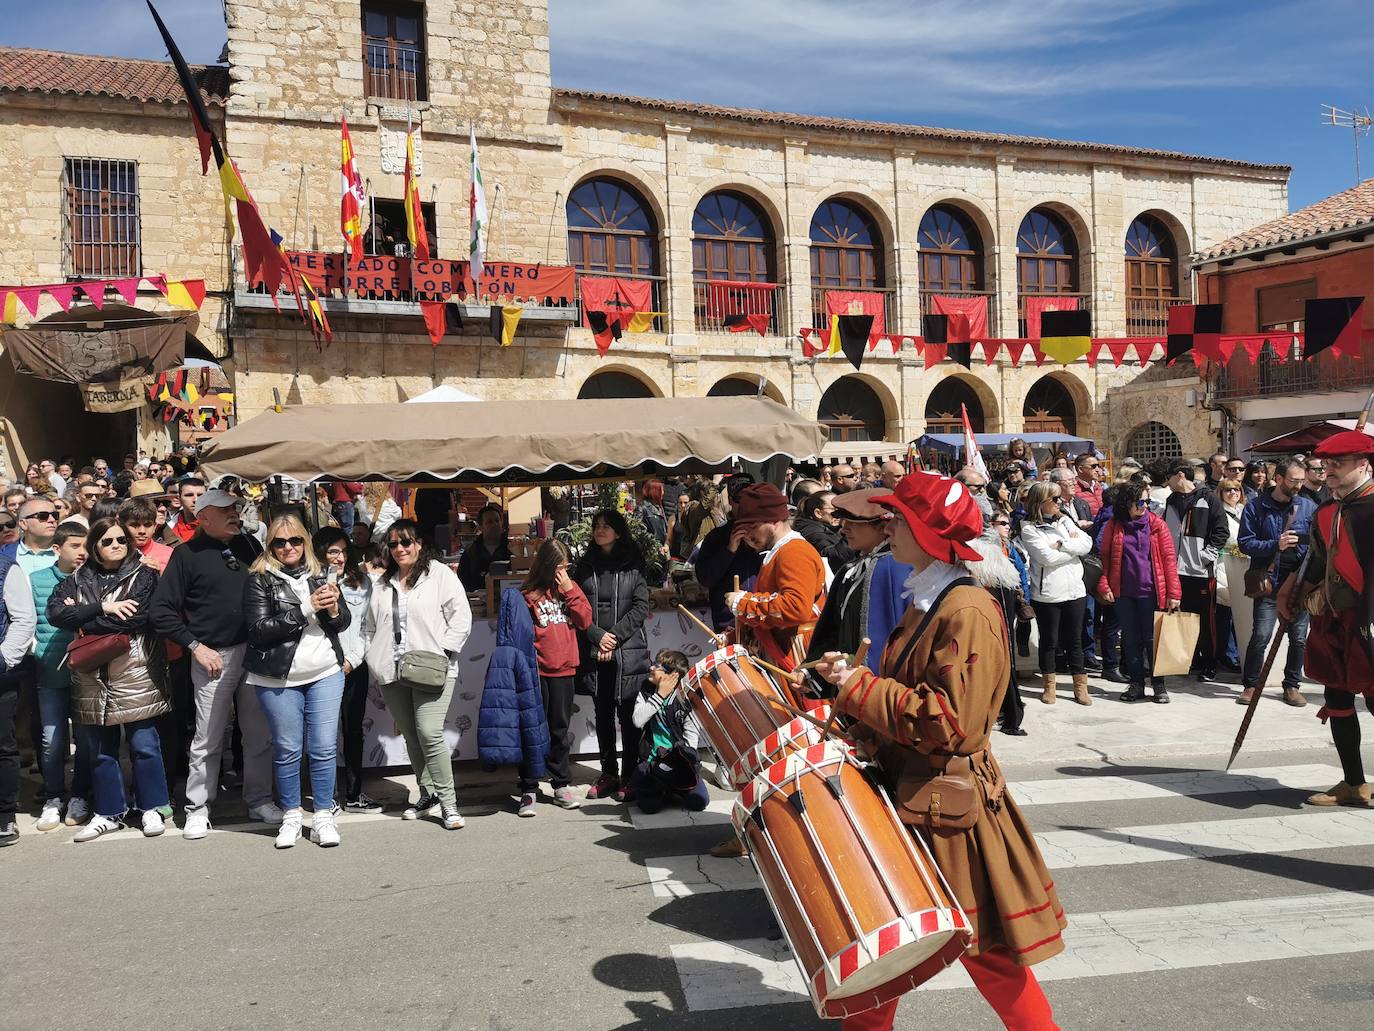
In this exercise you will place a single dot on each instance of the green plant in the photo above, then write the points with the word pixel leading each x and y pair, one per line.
pixel 578 536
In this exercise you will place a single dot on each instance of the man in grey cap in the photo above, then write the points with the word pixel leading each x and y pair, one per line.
pixel 199 607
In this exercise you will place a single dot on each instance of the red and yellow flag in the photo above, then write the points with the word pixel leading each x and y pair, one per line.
pixel 415 215
pixel 351 198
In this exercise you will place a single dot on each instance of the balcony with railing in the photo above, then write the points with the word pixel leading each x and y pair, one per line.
pixel 820 320
pixel 928 304
pixel 1149 316
pixel 1084 303
pixel 1266 377
pixel 395 71
pixel 658 299
pixel 715 300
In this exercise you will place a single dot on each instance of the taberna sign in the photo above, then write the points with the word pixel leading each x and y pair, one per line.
pixel 118 396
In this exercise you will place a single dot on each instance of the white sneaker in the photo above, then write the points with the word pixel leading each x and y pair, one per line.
pixel 197 824
pixel 99 825
pixel 527 803
pixel 51 817
pixel 453 820
pixel 152 824
pixel 325 828
pixel 290 831
pixel 78 812
pixel 269 813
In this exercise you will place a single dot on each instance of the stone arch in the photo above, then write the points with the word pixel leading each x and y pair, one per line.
pixel 884 217
pixel 1149 442
pixel 652 190
pixel 1081 227
pixel 879 392
pixel 618 382
pixel 982 392
pixel 768 198
pixel 983 217
pixel 1177 227
pixel 739 384
pixel 1053 405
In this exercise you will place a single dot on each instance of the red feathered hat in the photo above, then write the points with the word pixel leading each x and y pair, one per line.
pixel 941 513
pixel 1347 442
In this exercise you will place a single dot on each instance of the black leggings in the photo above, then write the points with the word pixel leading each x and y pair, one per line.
pixel 351 711
pixel 1345 732
pixel 610 710
pixel 1060 624
pixel 558 694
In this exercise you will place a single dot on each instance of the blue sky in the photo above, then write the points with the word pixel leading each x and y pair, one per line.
pixel 1234 78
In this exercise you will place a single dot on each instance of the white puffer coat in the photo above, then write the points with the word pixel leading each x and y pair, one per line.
pixel 1056 574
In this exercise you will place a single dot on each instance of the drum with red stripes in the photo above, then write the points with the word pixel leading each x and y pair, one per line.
pixel 738 705
pixel 866 911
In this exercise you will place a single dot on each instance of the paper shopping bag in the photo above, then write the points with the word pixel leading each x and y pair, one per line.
pixel 1175 641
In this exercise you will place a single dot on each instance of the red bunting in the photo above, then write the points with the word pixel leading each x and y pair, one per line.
pixel 1016 349
pixel 1035 349
pixel 935 354
pixel 990 349
pixel 435 322
pixel 1094 349
pixel 1144 349
pixel 127 289
pixel 1117 349
pixel 95 293
pixel 62 295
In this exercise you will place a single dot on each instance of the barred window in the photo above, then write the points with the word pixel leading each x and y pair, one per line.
pixel 101 227
pixel 1151 442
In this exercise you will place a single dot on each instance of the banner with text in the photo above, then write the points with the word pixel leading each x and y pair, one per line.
pixel 383 277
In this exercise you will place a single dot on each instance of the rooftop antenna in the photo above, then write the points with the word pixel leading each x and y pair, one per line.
pixel 1357 122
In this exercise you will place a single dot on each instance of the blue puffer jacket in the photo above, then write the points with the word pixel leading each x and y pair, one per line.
pixel 50 642
pixel 511 725
pixel 1262 522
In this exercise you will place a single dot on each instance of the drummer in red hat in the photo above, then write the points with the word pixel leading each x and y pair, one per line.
pixel 1338 591
pixel 781 612
pixel 926 721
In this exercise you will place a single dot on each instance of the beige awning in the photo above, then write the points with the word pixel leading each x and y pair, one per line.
pixel 863 451
pixel 512 441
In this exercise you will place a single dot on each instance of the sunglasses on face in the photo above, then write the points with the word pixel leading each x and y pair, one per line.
pixel 281 542
pixel 400 542
pixel 110 542
pixel 6 526
pixel 45 516
pixel 1001 522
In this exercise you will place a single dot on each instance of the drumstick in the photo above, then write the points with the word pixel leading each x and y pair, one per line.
pixel 777 671
pixel 825 727
pixel 736 583
pixel 705 629
pixel 859 657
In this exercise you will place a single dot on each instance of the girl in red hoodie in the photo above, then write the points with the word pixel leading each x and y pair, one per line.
pixel 560 612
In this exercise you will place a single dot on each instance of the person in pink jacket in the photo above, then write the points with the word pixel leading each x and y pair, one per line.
pixel 1139 577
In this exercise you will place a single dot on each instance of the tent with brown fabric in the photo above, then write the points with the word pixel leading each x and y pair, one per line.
pixel 509 442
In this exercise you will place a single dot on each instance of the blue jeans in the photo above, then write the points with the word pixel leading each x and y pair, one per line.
pixel 54 710
pixel 1136 616
pixel 145 753
pixel 305 717
pixel 345 513
pixel 1266 615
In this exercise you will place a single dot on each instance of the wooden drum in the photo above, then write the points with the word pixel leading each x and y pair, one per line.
pixel 738 706
pixel 863 906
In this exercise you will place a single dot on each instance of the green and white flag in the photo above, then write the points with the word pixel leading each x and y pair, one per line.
pixel 477 211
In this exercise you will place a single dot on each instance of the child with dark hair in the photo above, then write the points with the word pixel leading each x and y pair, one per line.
pixel 669 767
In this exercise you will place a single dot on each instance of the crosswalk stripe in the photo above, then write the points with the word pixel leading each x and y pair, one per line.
pixel 758 972
pixel 1192 783
pixel 1166 842
pixel 1073 790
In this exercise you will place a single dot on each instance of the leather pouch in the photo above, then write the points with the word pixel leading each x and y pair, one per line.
pixel 948 801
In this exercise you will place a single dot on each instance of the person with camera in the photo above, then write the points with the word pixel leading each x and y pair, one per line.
pixel 294 660
pixel 669 767
pixel 1275 528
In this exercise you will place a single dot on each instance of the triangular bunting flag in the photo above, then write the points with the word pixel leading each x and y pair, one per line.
pixel 28 297
pixel 935 354
pixel 1035 350
pixel 604 331
pixel 510 322
pixel 1144 349
pixel 643 321
pixel 736 323
pixel 62 295
pixel 990 349
pixel 436 319
pixel 835 344
pixel 1066 336
pixel 809 350
pixel 1253 346
pixel 127 289
pixel 1016 347
pixel 854 331
pixel 179 295
pixel 1117 349
pixel 1094 349
pixel 960 352
pixel 1333 322
pixel 95 293
pixel 158 283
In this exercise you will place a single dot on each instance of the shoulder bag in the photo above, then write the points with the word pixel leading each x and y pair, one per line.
pixel 88 652
pixel 421 670
pixel 1259 583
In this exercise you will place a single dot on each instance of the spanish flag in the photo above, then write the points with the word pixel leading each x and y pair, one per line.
pixel 415 214
pixel 1066 336
pixel 351 198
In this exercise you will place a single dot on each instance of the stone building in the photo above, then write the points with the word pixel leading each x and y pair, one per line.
pixel 681 194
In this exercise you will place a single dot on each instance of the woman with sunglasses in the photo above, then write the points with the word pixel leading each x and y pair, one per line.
pixel 110 594
pixel 294 660
pixel 431 614
pixel 335 553
pixel 1139 577
pixel 1055 545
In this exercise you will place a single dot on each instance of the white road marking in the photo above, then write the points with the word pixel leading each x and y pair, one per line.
pixel 756 972
pixel 1192 783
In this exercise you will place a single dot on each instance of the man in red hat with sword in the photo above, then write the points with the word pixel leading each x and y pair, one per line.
pixel 1338 590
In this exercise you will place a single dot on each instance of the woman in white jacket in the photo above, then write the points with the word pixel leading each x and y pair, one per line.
pixel 1056 546
pixel 432 615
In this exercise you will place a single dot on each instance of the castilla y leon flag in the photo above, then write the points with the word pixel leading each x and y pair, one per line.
pixel 1194 327
pixel 1333 322
pixel 415 213
pixel 351 198
pixel 1066 336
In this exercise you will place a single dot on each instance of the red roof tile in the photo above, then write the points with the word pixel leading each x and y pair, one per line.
pixel 1346 210
pixel 51 71
pixel 781 118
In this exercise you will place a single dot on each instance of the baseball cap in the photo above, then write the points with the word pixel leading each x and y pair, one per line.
pixel 216 499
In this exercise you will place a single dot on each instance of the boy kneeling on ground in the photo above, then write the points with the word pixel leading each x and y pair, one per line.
pixel 669 768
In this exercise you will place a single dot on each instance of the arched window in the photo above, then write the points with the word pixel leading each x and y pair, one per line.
pixel 943 411
pixel 611 230
pixel 1151 442
pixel 1046 255
pixel 951 252
pixel 732 239
pixel 1049 408
pixel 602 385
pixel 852 411
pixel 846 248
pixel 1152 276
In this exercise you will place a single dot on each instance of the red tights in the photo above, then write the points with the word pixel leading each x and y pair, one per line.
pixel 1011 990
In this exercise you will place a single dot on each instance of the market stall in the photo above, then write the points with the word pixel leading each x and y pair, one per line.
pixel 515 444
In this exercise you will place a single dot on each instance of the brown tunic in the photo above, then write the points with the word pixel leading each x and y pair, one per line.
pixel 958 674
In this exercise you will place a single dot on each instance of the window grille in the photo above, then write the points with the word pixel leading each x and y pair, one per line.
pixel 101 233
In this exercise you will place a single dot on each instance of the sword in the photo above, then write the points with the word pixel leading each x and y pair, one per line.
pixel 1282 629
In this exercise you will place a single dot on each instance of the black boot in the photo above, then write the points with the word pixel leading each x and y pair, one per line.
pixel 1161 693
pixel 1134 693
pixel 1112 674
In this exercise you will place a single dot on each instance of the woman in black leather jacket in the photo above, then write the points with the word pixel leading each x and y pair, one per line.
pixel 295 661
pixel 615 650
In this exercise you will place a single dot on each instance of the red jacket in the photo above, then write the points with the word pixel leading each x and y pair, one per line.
pixel 1163 563
pixel 557 621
